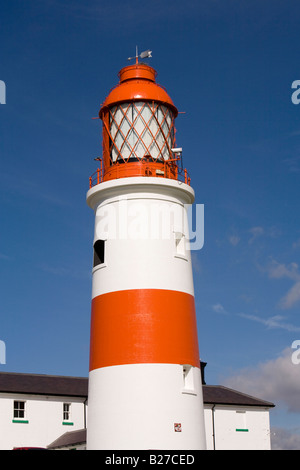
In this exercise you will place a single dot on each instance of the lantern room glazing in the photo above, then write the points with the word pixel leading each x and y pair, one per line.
pixel 138 129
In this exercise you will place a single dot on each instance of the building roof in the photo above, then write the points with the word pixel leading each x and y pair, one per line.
pixel 58 385
pixel 70 438
pixel 43 384
pixel 219 395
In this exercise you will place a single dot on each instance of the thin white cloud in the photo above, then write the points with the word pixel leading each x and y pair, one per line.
pixel 64 272
pixel 292 296
pixel 296 244
pixel 276 321
pixel 233 240
pixel 255 233
pixel 279 271
pixel 218 308
pixel 276 380
pixel 285 439
pixel 195 262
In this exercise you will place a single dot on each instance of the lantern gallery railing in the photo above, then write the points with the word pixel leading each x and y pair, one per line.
pixel 145 167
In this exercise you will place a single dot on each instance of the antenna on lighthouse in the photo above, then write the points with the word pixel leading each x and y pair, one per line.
pixel 142 55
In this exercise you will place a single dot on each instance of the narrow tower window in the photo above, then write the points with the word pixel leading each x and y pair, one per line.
pixel 188 379
pixel 180 250
pixel 99 252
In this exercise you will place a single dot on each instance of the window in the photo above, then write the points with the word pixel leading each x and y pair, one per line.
pixel 66 411
pixel 19 409
pixel 180 250
pixel 19 412
pixel 188 380
pixel 99 252
pixel 67 414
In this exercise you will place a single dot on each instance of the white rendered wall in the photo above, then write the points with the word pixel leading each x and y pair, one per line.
pixel 140 219
pixel 45 417
pixel 154 398
pixel 146 256
pixel 252 423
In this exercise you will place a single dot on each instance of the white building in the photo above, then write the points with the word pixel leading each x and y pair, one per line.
pixel 234 420
pixel 36 409
pixel 50 412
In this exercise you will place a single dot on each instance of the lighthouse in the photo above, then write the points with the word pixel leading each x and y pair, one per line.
pixel 145 389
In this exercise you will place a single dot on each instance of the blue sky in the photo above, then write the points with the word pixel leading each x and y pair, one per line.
pixel 230 66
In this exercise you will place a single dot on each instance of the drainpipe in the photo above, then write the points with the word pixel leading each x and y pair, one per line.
pixel 84 412
pixel 213 427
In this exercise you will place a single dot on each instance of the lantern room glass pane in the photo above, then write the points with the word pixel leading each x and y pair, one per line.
pixel 141 129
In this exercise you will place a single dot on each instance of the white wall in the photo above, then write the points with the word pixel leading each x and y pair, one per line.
pixel 160 400
pixel 253 426
pixel 45 417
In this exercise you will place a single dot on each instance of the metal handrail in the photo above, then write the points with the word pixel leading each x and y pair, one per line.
pixel 146 168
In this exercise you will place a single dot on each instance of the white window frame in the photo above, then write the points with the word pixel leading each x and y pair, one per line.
pixel 67 412
pixel 17 411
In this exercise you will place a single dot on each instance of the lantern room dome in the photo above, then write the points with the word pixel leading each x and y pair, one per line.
pixel 137 83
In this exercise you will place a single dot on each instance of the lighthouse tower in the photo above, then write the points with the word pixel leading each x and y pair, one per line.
pixel 145 389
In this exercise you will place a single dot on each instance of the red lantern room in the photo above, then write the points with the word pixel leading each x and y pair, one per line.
pixel 138 129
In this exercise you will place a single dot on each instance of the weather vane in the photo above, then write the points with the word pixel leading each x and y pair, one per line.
pixel 142 55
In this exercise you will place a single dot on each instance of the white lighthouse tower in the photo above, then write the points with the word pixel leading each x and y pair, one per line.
pixel 145 389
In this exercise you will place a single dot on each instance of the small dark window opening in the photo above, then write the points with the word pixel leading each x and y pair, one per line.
pixel 66 411
pixel 19 409
pixel 99 251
